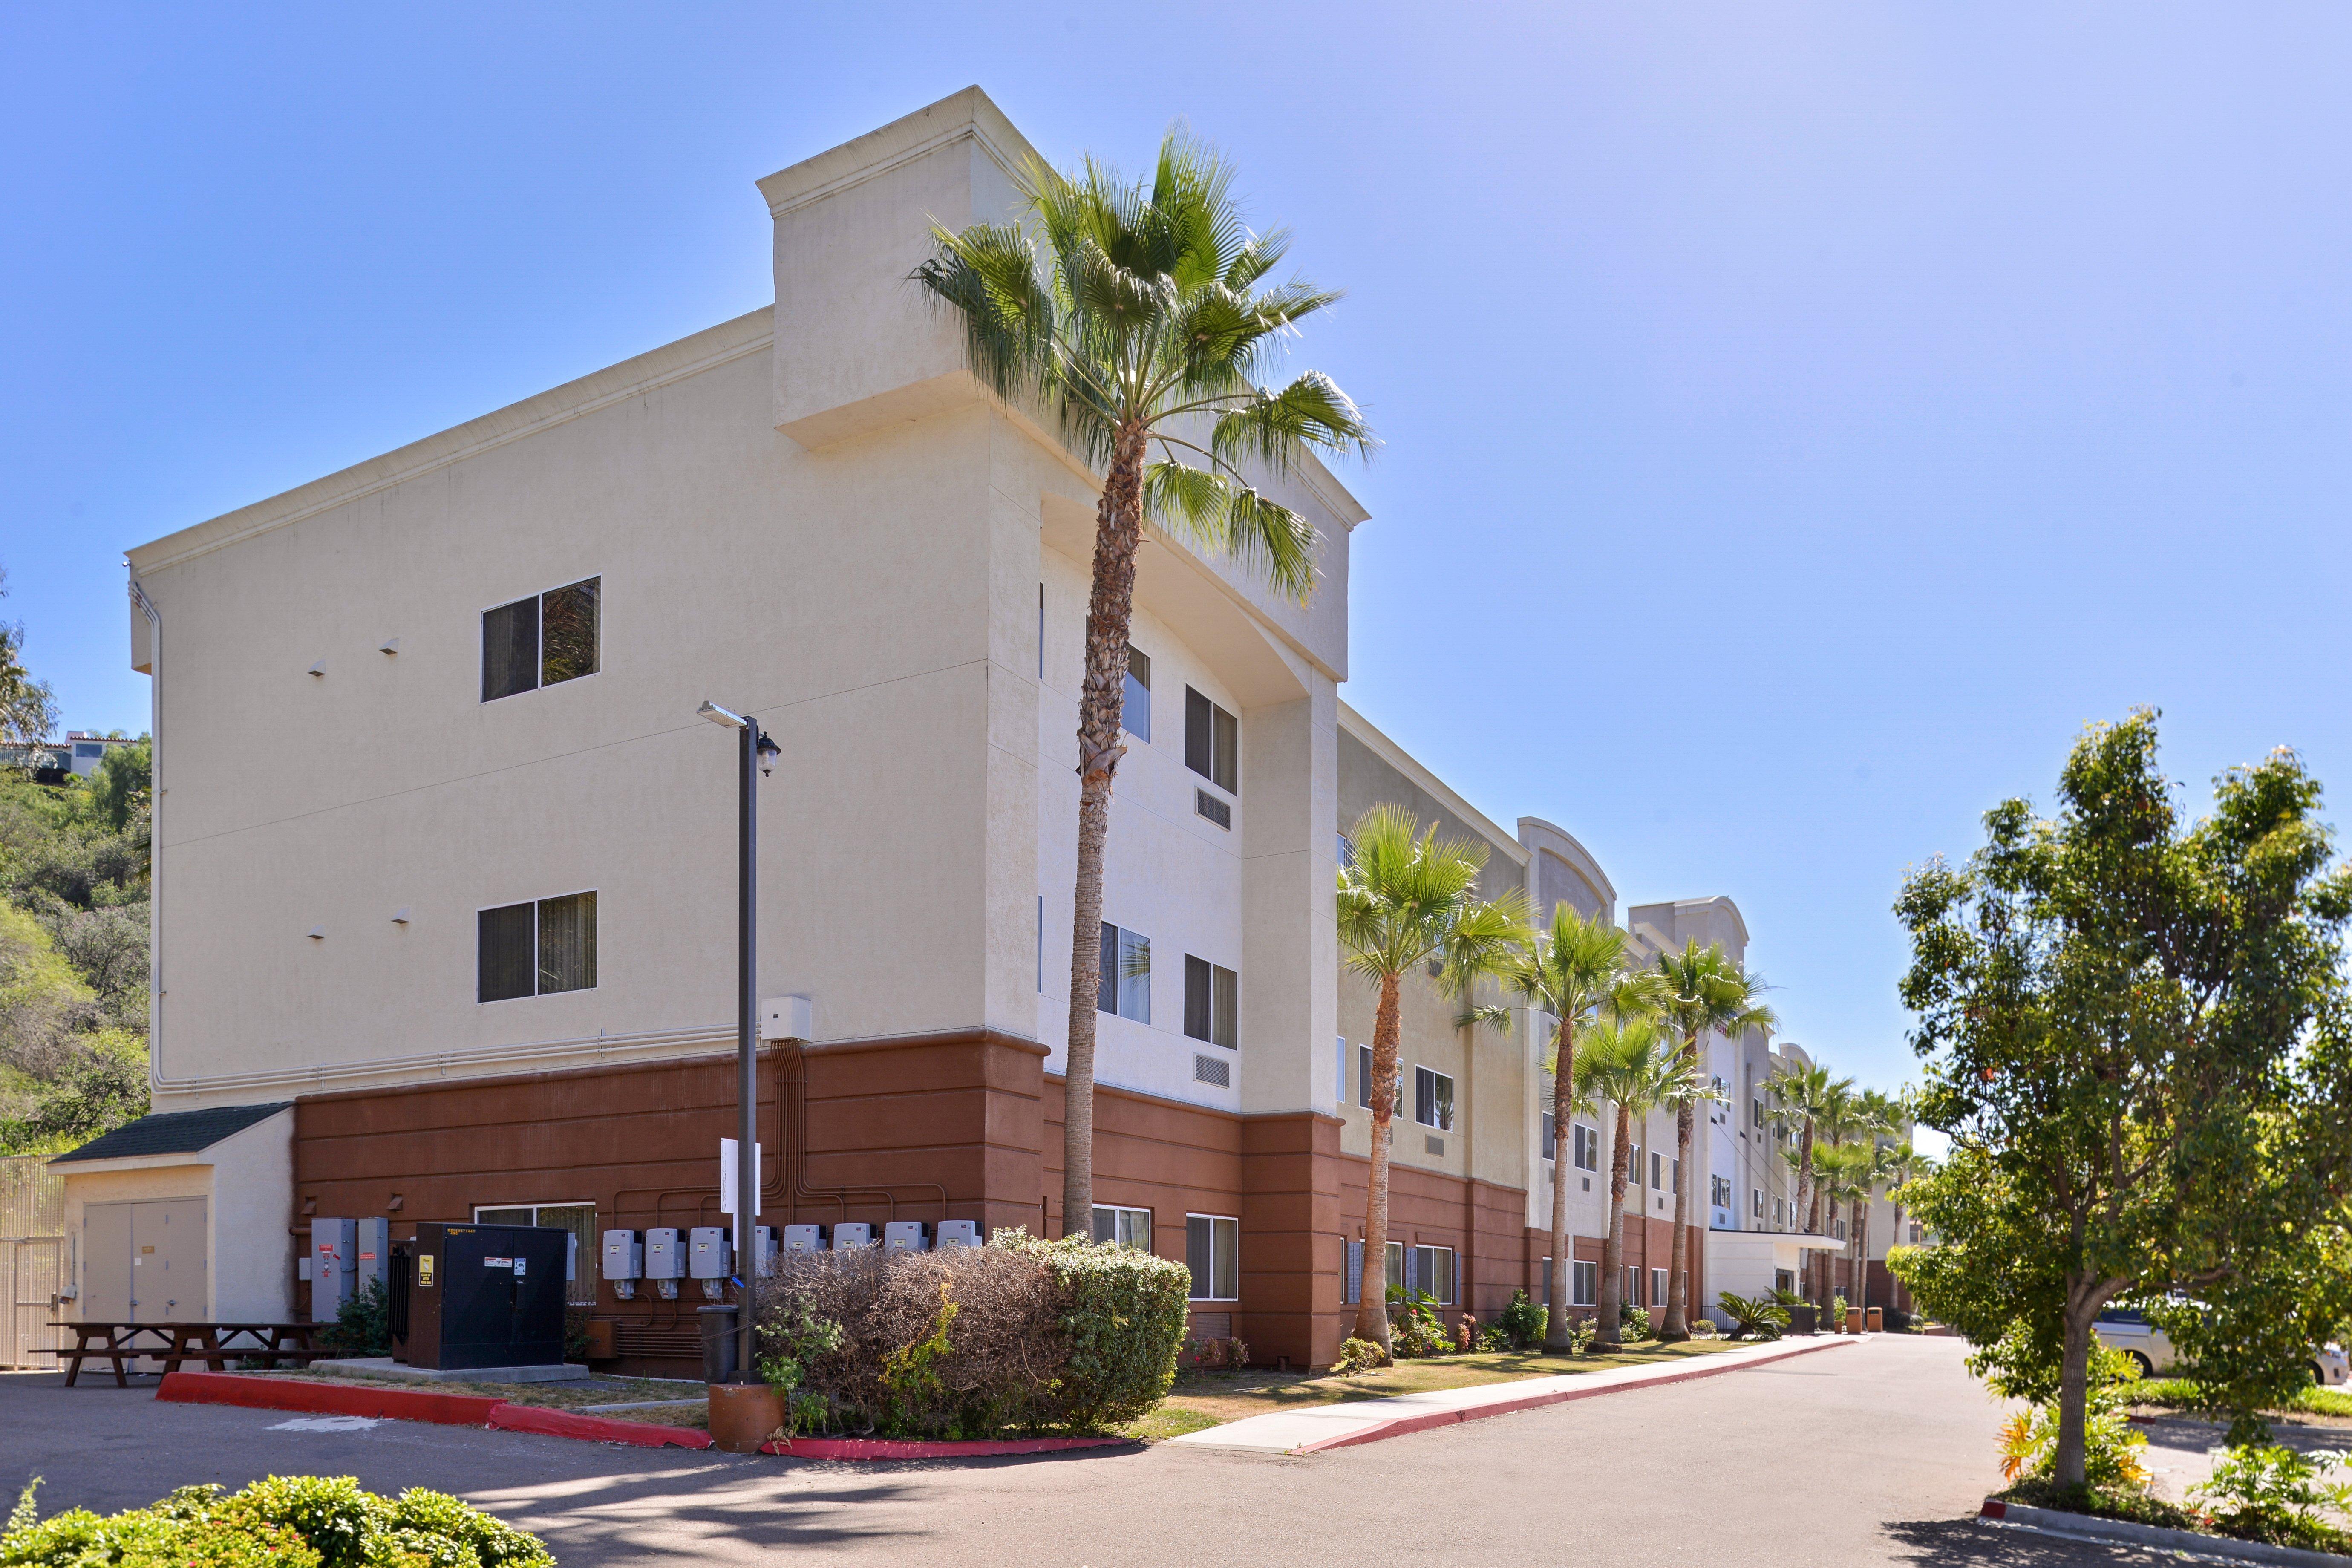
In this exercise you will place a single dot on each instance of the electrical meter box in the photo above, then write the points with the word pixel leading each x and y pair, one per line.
pixel 959 1233
pixel 711 1257
pixel 904 1236
pixel 625 1255
pixel 334 1258
pixel 467 1296
pixel 851 1235
pixel 374 1262
pixel 763 1241
pixel 803 1238
pixel 665 1256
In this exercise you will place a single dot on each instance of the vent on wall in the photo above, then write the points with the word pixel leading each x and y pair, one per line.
pixel 1215 810
pixel 1209 1069
pixel 1435 1145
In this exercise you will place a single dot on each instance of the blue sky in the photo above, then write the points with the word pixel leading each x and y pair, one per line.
pixel 1800 419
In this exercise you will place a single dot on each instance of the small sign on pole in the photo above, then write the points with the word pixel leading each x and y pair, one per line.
pixel 727 1167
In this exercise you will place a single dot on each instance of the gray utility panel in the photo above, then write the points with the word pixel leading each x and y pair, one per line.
pixel 664 1255
pixel 712 1256
pixel 334 1266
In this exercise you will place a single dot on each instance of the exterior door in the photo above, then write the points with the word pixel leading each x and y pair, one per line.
pixel 167 1261
pixel 106 1263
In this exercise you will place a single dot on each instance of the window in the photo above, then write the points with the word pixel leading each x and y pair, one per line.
pixel 1657 1287
pixel 579 1220
pixel 1215 810
pixel 1631 1288
pixel 1126 984
pixel 1433 1100
pixel 536 949
pixel 1756 1201
pixel 1588 1148
pixel 1549 1135
pixel 1841 1230
pixel 1585 1287
pixel 1428 1271
pixel 1212 743
pixel 1347 853
pixel 1722 1192
pixel 1756 1111
pixel 1351 1276
pixel 1916 1234
pixel 1212 1008
pixel 538 641
pixel 1396 1266
pixel 1212 1251
pixel 1657 1166
pixel 1780 1207
pixel 1134 711
pixel 1340 1071
pixel 1123 1226
pixel 1041 944
pixel 1041 631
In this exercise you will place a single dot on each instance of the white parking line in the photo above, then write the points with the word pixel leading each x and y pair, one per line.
pixel 326 1424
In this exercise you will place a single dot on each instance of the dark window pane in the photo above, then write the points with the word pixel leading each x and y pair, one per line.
pixel 1196 1254
pixel 567 943
pixel 1215 810
pixel 1424 1097
pixel 1197 998
pixel 1227 1274
pixel 509 649
pixel 1225 1019
pixel 503 942
pixel 1364 1077
pixel 1200 745
pixel 568 631
pixel 1135 715
pixel 1228 752
pixel 1106 988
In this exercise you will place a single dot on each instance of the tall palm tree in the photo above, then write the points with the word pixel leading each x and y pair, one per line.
pixel 1834 1122
pixel 1407 898
pixel 1705 990
pixel 1138 322
pixel 1842 1170
pixel 1797 1096
pixel 1624 1064
pixel 1880 1117
pixel 1571 972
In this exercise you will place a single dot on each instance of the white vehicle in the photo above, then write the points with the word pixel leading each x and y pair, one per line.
pixel 2127 1328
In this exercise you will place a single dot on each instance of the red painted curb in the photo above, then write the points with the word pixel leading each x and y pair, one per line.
pixel 908 1449
pixel 333 1399
pixel 1993 1509
pixel 546 1422
pixel 1405 1424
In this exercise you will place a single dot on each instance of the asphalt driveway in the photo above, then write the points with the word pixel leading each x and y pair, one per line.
pixel 1872 1453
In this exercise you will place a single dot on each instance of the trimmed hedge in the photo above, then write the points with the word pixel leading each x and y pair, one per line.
pixel 284 1521
pixel 1021 1335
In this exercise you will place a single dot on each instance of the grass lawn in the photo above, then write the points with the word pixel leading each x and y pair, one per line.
pixel 584 1394
pixel 1204 1399
pixel 2180 1393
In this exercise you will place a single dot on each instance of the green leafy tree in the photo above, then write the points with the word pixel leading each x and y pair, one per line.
pixel 28 708
pixel 1406 899
pixel 1571 972
pixel 1137 319
pixel 2111 1006
pixel 1704 991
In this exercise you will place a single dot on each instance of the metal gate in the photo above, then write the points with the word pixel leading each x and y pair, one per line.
pixel 32 1259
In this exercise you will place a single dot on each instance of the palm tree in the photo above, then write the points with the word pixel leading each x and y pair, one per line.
pixel 1799 1095
pixel 1881 1118
pixel 1705 990
pixel 1628 1063
pixel 1833 1121
pixel 1843 1170
pixel 1571 972
pixel 1407 898
pixel 1134 318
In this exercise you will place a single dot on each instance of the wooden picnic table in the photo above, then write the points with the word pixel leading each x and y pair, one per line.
pixel 174 1343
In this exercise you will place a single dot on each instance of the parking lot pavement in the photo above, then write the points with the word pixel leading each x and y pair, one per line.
pixel 1878 1454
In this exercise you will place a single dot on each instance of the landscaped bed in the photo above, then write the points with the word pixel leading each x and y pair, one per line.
pixel 1205 1399
pixel 662 1401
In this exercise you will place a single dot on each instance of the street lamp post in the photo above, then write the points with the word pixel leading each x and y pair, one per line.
pixel 756 756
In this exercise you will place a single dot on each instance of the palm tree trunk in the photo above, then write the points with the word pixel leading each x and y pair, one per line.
pixel 1563 1098
pixel 1118 530
pixel 1804 1170
pixel 1611 1294
pixel 1371 1305
pixel 1828 1269
pixel 1862 1257
pixel 1677 1323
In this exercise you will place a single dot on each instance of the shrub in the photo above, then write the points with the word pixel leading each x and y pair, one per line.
pixel 1416 1330
pixel 1359 1355
pixel 2111 1444
pixel 2265 1492
pixel 1633 1323
pixel 363 1323
pixel 1524 1322
pixel 1581 1331
pixel 1019 1335
pixel 284 1521
pixel 1702 1327
pixel 1493 1341
pixel 1758 1315
pixel 1466 1334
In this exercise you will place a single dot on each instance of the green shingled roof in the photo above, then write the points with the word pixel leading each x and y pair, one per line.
pixel 174 1132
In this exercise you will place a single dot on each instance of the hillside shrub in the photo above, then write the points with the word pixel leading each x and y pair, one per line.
pixel 1021 1335
pixel 1523 1322
pixel 284 1521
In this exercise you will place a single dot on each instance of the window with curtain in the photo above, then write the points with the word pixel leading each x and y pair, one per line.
pixel 1123 1226
pixel 1212 1003
pixel 536 949
pixel 1432 1098
pixel 1212 740
pixel 1212 1251
pixel 1126 984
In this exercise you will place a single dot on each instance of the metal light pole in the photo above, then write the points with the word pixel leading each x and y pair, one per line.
pixel 758 755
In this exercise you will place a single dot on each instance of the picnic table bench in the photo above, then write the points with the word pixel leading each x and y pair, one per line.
pixel 176 1343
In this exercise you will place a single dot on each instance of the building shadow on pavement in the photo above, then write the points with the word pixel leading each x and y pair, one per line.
pixel 1966 1543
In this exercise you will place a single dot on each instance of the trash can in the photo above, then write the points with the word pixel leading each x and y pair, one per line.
pixel 1804 1319
pixel 1878 1320
pixel 718 1325
pixel 1853 1319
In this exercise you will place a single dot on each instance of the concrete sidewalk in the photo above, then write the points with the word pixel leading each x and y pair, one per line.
pixel 1324 1426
